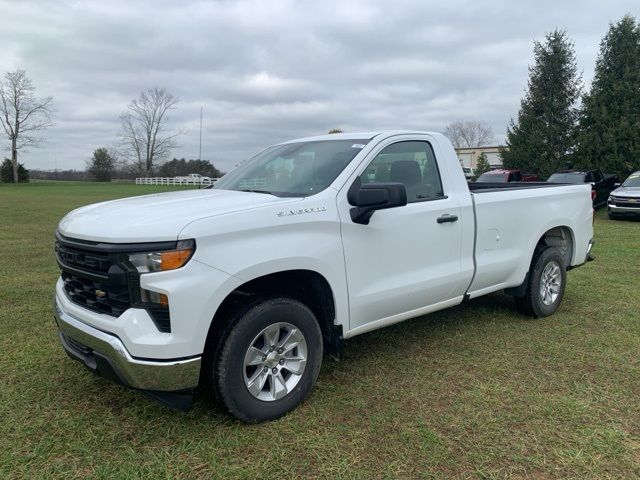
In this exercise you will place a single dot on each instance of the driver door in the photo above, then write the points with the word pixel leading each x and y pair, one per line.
pixel 405 260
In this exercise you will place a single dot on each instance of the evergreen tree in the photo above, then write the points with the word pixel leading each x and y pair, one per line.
pixel 6 172
pixel 482 165
pixel 610 118
pixel 102 165
pixel 543 137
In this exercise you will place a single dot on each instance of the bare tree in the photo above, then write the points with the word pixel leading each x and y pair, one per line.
pixel 143 128
pixel 469 133
pixel 22 114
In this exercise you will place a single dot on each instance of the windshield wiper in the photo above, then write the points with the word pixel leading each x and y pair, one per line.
pixel 275 194
pixel 257 191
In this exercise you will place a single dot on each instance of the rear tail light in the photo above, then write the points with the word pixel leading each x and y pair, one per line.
pixel 593 195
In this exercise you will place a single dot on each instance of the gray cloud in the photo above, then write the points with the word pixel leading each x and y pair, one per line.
pixel 267 71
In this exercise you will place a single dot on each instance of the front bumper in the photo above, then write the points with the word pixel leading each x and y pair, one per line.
pixel 623 210
pixel 106 355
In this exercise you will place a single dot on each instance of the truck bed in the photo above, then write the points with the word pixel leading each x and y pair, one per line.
pixel 497 186
pixel 509 215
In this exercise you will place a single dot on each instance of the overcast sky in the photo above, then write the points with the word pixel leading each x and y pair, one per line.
pixel 268 71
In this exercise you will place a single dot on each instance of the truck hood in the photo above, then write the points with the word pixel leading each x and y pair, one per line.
pixel 158 217
pixel 633 192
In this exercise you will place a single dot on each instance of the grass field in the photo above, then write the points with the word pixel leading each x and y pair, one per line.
pixel 476 391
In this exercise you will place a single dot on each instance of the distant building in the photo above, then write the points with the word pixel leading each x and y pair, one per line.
pixel 469 156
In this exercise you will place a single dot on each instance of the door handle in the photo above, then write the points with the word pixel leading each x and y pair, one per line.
pixel 447 217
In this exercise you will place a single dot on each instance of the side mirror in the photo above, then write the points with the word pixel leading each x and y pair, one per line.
pixel 617 185
pixel 370 197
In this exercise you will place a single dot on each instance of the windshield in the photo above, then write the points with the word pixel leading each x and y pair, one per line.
pixel 633 180
pixel 566 178
pixel 293 169
pixel 492 178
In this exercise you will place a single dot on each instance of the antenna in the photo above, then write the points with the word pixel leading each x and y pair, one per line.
pixel 200 148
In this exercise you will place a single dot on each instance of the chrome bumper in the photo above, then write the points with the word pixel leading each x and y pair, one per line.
pixel 616 209
pixel 106 355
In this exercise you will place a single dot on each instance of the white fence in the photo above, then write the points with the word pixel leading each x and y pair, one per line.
pixel 175 181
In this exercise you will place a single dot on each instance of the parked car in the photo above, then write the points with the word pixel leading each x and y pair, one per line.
pixel 468 172
pixel 193 178
pixel 504 176
pixel 245 290
pixel 602 184
pixel 624 201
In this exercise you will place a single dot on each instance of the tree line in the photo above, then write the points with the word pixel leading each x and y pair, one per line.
pixel 104 166
pixel 559 126
pixel 145 141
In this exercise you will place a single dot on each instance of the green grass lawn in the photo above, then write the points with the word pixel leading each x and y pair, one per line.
pixel 476 391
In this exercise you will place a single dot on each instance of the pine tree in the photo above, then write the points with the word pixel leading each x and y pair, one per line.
pixel 482 165
pixel 543 137
pixel 610 118
pixel 102 165
pixel 6 172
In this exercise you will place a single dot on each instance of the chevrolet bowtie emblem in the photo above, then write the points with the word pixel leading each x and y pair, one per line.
pixel 100 293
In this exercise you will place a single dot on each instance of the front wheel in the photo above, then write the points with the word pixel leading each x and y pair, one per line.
pixel 546 284
pixel 270 359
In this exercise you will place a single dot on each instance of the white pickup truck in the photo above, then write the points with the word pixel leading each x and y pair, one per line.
pixel 244 290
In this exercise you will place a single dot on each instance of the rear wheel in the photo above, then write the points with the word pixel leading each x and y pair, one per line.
pixel 546 284
pixel 270 359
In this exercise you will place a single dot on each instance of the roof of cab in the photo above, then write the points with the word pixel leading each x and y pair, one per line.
pixel 355 136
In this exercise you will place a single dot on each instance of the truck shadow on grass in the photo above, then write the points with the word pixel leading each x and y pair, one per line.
pixel 434 336
pixel 428 334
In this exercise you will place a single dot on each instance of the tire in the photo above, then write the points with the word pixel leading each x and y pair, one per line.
pixel 547 270
pixel 257 344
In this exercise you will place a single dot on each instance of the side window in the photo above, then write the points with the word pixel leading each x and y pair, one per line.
pixel 597 176
pixel 517 177
pixel 589 177
pixel 412 163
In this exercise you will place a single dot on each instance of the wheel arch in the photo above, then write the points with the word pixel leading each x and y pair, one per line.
pixel 306 286
pixel 561 237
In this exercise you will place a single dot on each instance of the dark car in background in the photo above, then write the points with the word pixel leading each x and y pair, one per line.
pixel 505 176
pixel 602 184
pixel 624 201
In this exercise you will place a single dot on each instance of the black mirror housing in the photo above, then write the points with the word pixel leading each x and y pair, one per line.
pixel 369 197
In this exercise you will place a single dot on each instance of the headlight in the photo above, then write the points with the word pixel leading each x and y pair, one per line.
pixel 612 199
pixel 148 262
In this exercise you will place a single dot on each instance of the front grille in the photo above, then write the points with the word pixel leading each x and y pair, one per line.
pixel 626 202
pixel 100 278
pixel 84 260
pixel 98 297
